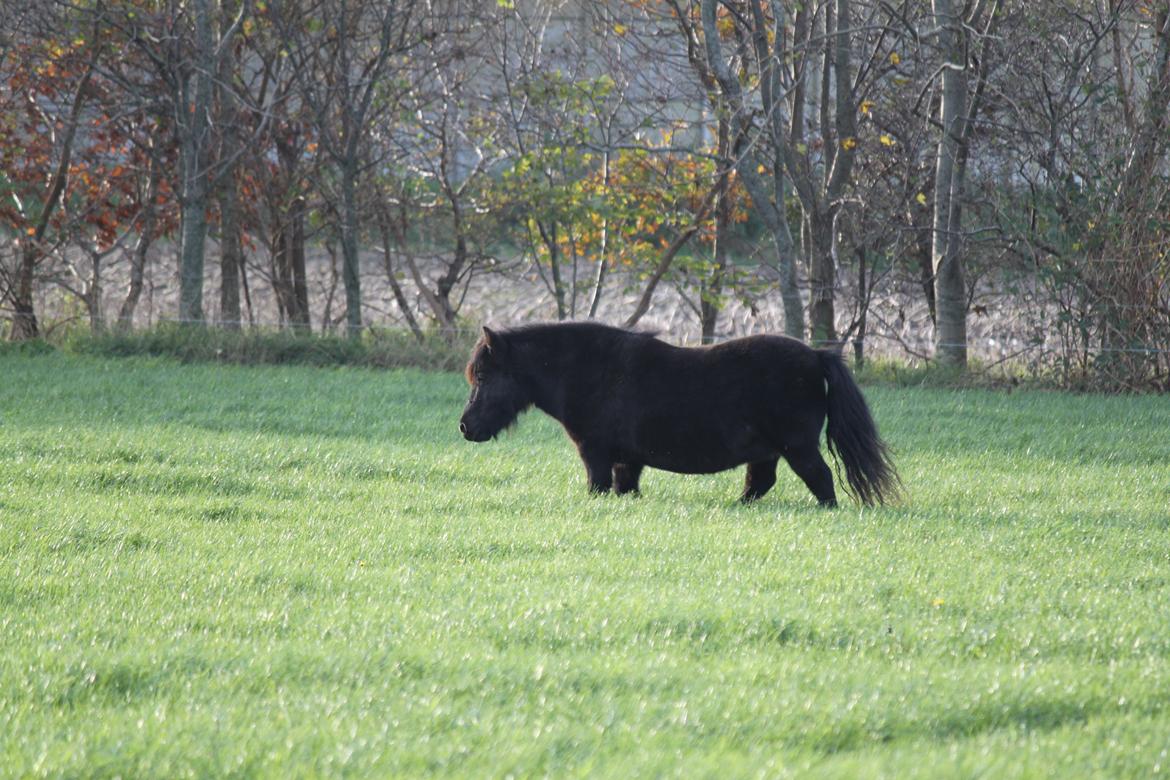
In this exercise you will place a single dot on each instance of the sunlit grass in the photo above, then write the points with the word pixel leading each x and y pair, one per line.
pixel 217 571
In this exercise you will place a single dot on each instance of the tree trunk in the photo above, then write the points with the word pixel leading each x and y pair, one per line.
pixel 447 282
pixel 862 306
pixel 231 257
pixel 668 255
pixel 765 203
pixel 24 318
pixel 921 252
pixel 288 263
pixel 822 279
pixel 141 248
pixel 299 311
pixel 821 204
pixel 709 292
pixel 439 302
pixel 231 254
pixel 603 259
pixel 664 262
pixel 712 287
pixel 395 287
pixel 950 290
pixel 281 273
pixel 247 293
pixel 93 296
pixel 288 238
pixel 194 136
pixel 134 288
pixel 548 236
pixel 327 315
pixel 599 278
pixel 194 233
pixel 350 262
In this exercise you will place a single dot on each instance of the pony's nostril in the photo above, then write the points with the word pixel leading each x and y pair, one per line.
pixel 463 427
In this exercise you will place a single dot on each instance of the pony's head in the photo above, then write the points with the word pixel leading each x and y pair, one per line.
pixel 497 395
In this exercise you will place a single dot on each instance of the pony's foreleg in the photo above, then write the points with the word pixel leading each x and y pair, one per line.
pixel 761 476
pixel 812 469
pixel 625 477
pixel 598 468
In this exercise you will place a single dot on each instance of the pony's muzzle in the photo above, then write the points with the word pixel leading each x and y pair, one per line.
pixel 470 434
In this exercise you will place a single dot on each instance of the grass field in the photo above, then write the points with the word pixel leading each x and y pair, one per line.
pixel 213 571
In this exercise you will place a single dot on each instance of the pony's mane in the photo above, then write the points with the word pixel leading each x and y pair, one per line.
pixel 547 335
pixel 596 328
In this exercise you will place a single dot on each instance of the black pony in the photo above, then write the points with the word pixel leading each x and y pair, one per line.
pixel 629 400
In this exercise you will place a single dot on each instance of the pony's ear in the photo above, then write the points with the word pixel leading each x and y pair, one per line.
pixel 493 341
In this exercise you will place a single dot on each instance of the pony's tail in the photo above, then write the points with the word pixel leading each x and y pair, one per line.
pixel 853 438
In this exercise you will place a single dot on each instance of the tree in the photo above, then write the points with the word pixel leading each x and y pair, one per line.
pixel 437 171
pixel 341 52
pixel 1131 277
pixel 51 80
pixel 554 102
pixel 712 286
pixel 963 56
pixel 756 153
pixel 821 193
pixel 227 190
pixel 173 55
pixel 659 203
pixel 270 188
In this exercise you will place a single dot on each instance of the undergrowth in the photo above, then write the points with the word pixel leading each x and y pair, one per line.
pixel 374 349
pixel 378 348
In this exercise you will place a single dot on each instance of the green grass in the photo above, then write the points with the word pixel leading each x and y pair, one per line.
pixel 211 570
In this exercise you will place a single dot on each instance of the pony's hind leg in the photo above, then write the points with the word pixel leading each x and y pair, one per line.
pixel 812 469
pixel 625 477
pixel 761 475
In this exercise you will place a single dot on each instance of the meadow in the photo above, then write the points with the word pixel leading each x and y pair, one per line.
pixel 229 571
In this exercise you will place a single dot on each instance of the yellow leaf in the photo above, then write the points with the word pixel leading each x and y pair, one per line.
pixel 761 169
pixel 619 28
pixel 894 58
pixel 849 143
pixel 921 198
pixel 886 140
pixel 866 107
pixel 937 603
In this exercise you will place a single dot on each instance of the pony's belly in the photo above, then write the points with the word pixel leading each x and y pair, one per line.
pixel 704 455
pixel 692 465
